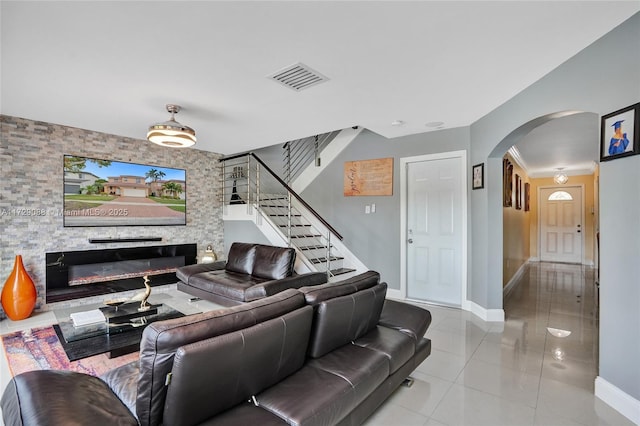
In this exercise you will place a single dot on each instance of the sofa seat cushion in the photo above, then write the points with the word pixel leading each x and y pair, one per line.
pixel 123 381
pixel 184 273
pixel 395 345
pixel 54 397
pixel 231 285
pixel 245 414
pixel 309 397
pixel 363 368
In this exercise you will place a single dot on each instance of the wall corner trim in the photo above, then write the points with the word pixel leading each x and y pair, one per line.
pixel 490 315
pixel 619 400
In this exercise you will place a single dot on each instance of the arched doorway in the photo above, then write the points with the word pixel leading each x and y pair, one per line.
pixel 495 223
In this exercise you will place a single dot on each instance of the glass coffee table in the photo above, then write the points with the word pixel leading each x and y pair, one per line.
pixel 120 334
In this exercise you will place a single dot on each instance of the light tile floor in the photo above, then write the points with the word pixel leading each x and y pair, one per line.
pixel 516 372
pixel 482 373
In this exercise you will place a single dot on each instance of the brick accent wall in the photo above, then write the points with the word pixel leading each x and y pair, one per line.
pixel 31 174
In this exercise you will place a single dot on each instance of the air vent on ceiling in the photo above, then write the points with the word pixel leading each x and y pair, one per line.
pixel 298 77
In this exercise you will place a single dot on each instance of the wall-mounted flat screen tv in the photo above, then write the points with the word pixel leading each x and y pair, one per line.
pixel 112 193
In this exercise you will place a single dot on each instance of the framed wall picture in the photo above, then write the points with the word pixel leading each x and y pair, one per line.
pixel 368 177
pixel 507 183
pixel 620 133
pixel 518 192
pixel 477 181
pixel 527 196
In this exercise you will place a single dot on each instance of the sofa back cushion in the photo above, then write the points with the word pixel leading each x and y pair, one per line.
pixel 273 263
pixel 213 375
pixel 318 293
pixel 343 319
pixel 161 340
pixel 241 258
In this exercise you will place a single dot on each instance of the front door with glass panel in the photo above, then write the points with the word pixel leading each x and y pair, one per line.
pixel 561 231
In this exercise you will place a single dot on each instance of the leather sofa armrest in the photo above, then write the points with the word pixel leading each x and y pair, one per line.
pixel 406 318
pixel 269 288
pixel 53 397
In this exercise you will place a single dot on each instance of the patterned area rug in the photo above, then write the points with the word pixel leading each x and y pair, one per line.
pixel 40 349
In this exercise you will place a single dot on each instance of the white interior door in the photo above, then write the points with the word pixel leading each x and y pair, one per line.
pixel 561 230
pixel 434 245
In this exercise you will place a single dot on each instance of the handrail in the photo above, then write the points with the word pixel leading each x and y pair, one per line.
pixel 291 191
pixel 233 157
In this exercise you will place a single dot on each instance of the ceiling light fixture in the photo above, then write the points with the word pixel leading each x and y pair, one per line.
pixel 560 177
pixel 397 123
pixel 171 133
pixel 435 124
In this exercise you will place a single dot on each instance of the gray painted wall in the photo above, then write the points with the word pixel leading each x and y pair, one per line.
pixel 244 231
pixel 620 273
pixel 375 238
pixel 602 78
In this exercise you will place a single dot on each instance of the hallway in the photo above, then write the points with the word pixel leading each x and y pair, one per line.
pixel 522 372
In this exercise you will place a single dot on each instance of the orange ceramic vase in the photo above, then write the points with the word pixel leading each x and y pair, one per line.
pixel 18 293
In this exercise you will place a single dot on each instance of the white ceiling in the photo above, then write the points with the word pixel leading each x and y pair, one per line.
pixel 569 143
pixel 112 66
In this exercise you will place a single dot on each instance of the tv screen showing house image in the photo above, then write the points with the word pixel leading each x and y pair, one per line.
pixel 112 193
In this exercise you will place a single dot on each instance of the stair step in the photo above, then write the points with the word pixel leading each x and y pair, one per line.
pixel 296 226
pixel 285 215
pixel 306 236
pixel 318 260
pixel 341 271
pixel 316 247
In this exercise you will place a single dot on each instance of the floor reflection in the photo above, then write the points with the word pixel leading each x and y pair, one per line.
pixel 528 370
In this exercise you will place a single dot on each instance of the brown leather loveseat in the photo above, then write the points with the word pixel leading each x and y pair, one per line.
pixel 321 355
pixel 251 272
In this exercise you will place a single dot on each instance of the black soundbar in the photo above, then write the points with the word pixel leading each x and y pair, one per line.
pixel 124 240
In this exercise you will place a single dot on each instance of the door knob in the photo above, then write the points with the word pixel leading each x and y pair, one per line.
pixel 410 240
pixel 578 230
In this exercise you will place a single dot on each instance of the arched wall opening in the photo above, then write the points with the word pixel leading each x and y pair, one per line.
pixel 495 221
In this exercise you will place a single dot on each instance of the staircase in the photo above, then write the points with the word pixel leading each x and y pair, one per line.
pixel 249 181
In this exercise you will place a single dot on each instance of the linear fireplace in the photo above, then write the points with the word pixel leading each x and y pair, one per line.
pixel 84 273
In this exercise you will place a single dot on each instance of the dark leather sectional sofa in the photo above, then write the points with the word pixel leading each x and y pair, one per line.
pixel 251 272
pixel 321 355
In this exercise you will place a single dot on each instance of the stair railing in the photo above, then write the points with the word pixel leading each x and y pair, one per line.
pixel 299 153
pixel 274 199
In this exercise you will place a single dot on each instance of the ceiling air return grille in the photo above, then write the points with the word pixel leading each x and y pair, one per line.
pixel 298 77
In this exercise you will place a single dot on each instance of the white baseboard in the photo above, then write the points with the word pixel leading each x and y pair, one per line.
pixel 622 402
pixel 394 294
pixel 491 315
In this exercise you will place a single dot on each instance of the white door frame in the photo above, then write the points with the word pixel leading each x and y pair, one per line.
pixel 402 293
pixel 582 217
